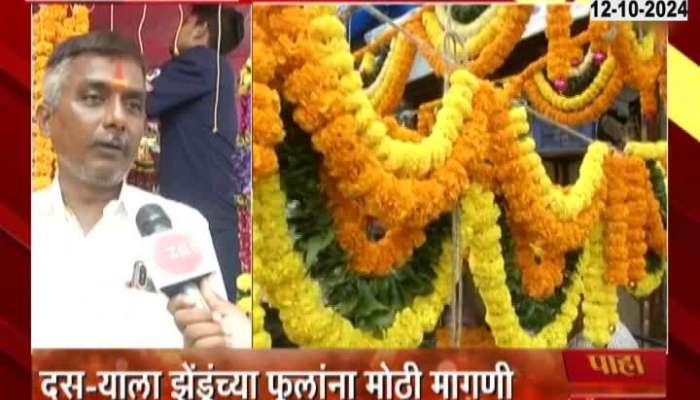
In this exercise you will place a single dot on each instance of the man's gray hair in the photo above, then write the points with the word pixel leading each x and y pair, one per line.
pixel 108 44
pixel 54 80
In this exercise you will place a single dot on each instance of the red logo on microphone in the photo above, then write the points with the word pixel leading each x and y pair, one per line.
pixel 176 254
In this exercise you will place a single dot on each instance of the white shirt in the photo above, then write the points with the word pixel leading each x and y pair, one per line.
pixel 80 283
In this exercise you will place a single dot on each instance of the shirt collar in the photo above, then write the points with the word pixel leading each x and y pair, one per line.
pixel 123 204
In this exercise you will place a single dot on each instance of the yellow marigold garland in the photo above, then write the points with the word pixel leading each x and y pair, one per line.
pixel 499 31
pixel 386 92
pixel 600 300
pixel 282 276
pixel 641 64
pixel 52 25
pixel 599 105
pixel 580 100
pixel 482 233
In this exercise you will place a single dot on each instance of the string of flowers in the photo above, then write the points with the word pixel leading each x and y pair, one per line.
pixel 481 233
pixel 561 49
pixel 337 88
pixel 498 32
pixel 600 300
pixel 368 258
pixel 281 274
pixel 386 92
pixel 642 65
pixel 533 223
pixel 577 117
pixel 53 25
pixel 583 99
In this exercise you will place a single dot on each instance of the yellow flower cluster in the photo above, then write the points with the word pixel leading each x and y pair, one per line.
pixel 406 159
pixel 465 30
pixel 657 151
pixel 580 100
pixel 481 234
pixel 567 204
pixel 641 64
pixel 52 25
pixel 386 91
pixel 283 278
pixel 488 40
pixel 600 300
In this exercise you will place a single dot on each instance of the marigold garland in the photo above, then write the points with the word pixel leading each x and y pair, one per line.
pixel 599 305
pixel 642 69
pixel 481 233
pixel 581 100
pixel 368 258
pixel 547 220
pixel 282 276
pixel 561 49
pixel 637 178
pixel 52 25
pixel 532 221
pixel 498 33
pixel 616 217
pixel 596 108
pixel 343 89
pixel 386 92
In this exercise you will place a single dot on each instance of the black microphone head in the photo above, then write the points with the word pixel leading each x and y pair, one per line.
pixel 151 218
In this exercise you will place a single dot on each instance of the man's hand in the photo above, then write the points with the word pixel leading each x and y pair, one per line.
pixel 196 323
pixel 236 326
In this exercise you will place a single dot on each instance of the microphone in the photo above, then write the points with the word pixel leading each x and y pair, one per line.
pixel 175 259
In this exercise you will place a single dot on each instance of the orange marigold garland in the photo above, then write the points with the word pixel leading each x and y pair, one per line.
pixel 637 177
pixel 495 53
pixel 532 223
pixel 640 73
pixel 561 49
pixel 368 258
pixel 398 67
pixel 577 117
pixel 616 217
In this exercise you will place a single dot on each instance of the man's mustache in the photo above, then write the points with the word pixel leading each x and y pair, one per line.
pixel 114 140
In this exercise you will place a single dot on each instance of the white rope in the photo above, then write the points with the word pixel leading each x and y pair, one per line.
pixel 179 27
pixel 143 20
pixel 111 17
pixel 218 74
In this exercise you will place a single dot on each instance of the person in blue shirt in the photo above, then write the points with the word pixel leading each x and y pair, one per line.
pixel 193 96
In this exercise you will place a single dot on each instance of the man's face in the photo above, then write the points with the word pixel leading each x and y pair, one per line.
pixel 99 119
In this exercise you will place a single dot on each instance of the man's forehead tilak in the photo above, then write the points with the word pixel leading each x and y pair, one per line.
pixel 119 80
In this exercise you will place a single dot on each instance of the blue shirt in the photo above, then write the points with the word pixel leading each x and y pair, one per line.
pixel 196 164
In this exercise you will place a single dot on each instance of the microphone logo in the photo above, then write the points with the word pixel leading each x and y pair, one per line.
pixel 175 253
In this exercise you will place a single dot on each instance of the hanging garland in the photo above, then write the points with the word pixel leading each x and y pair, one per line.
pixel 52 25
pixel 546 222
pixel 307 321
pixel 562 52
pixel 641 63
pixel 386 91
pixel 481 234
pixel 493 36
pixel 370 303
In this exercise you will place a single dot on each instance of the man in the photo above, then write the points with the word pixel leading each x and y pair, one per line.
pixel 198 145
pixel 84 235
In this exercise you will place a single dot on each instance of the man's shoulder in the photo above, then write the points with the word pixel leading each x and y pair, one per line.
pixel 179 213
